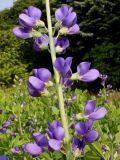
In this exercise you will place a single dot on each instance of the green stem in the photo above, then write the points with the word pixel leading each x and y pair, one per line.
pixel 57 79
pixel 19 119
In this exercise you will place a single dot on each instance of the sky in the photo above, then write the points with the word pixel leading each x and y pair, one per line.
pixel 6 4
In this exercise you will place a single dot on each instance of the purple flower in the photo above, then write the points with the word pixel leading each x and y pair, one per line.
pixel 33 149
pixel 40 139
pixel 85 74
pixel 6 124
pixel 56 134
pixel 30 16
pixel 36 84
pixel 78 144
pixel 15 150
pixel 104 78
pixel 30 130
pixel 61 44
pixel 3 157
pixel 3 130
pixel 94 113
pixel 12 133
pixel 12 118
pixel 118 151
pixel 109 86
pixel 22 32
pixel 68 19
pixel 41 43
pixel 1 111
pixel 28 19
pixel 84 129
pixel 63 67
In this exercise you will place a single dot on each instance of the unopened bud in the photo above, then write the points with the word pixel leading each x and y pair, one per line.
pixel 35 33
pixel 75 76
pixel 58 49
pixel 40 23
pixel 80 116
pixel 64 31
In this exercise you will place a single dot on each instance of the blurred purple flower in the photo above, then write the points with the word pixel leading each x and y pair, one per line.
pixel 3 157
pixel 61 44
pixel 1 111
pixel 3 130
pixel 6 124
pixel 12 134
pixel 33 149
pixel 94 113
pixel 41 43
pixel 16 150
pixel 86 74
pixel 68 19
pixel 104 78
pixel 56 134
pixel 37 84
pixel 63 67
pixel 109 86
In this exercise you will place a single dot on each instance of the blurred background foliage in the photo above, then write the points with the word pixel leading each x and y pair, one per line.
pixel 98 41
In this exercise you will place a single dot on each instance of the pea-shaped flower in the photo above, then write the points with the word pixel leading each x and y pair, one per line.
pixel 64 68
pixel 37 84
pixel 68 19
pixel 84 73
pixel 56 134
pixel 84 129
pixel 61 44
pixel 41 43
pixel 28 19
pixel 91 112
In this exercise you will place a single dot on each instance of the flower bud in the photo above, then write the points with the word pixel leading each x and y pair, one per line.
pixel 40 23
pixel 80 116
pixel 58 49
pixel 35 33
pixel 64 31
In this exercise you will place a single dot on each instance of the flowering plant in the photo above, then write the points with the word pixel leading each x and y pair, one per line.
pixel 67 135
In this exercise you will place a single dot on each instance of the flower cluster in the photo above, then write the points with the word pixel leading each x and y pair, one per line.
pixel 84 129
pixel 32 26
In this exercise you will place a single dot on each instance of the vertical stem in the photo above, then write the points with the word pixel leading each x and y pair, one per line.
pixel 57 78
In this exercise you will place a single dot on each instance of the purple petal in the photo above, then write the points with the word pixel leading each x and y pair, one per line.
pixel 21 33
pixel 59 64
pixel 68 60
pixel 59 133
pixel 61 13
pixel 81 128
pixel 33 149
pixel 90 76
pixel 55 144
pixel 34 12
pixel 44 74
pixel 78 144
pixel 91 136
pixel 83 67
pixel 36 83
pixel 26 20
pixel 74 29
pixel 89 107
pixel 70 20
pixel 98 114
pixel 40 139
